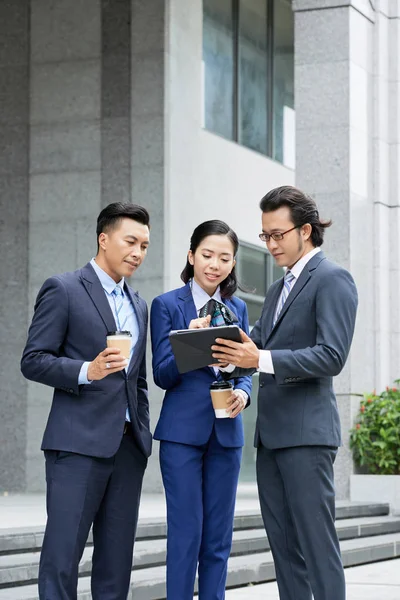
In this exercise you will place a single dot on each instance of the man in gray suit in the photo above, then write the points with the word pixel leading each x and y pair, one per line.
pixel 300 342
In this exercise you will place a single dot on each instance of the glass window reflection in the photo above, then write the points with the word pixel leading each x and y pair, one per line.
pixel 253 74
pixel 283 83
pixel 218 66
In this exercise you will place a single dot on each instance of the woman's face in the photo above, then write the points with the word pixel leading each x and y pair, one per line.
pixel 212 261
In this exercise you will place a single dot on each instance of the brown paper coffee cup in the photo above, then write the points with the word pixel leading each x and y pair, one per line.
pixel 121 340
pixel 220 392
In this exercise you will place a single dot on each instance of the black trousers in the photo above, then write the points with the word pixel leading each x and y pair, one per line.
pixel 297 497
pixel 81 491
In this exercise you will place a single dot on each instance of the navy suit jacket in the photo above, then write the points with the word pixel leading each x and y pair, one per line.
pixel 69 326
pixel 309 345
pixel 187 415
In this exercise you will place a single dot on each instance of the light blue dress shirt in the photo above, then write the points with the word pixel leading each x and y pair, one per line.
pixel 131 323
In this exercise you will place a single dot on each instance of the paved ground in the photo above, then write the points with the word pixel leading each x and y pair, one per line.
pixel 378 581
pixel 29 510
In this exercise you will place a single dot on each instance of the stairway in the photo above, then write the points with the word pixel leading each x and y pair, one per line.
pixel 367 533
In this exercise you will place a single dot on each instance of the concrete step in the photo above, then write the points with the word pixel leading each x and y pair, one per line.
pixel 30 539
pixel 22 568
pixel 149 584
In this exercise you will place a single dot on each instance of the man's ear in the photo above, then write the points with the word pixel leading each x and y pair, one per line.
pixel 103 240
pixel 307 231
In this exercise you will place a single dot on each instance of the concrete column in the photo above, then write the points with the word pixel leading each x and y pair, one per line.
pixel 65 163
pixel 116 101
pixel 335 143
pixel 392 13
pixel 148 168
pixel 14 185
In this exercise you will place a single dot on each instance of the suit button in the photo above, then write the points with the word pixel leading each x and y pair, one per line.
pixel 71 391
pixel 261 385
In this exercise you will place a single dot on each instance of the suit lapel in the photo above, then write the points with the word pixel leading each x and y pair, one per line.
pixel 299 285
pixel 95 290
pixel 140 317
pixel 188 309
pixel 186 305
pixel 271 303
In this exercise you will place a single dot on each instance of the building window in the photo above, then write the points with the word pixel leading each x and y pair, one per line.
pixel 248 74
pixel 256 270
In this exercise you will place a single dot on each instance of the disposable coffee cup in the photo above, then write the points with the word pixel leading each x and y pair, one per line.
pixel 220 392
pixel 121 340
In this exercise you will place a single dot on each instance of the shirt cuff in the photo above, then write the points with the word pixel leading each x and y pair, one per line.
pixel 244 394
pixel 265 364
pixel 82 379
pixel 228 369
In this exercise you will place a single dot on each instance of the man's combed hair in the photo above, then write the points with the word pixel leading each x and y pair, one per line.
pixel 112 214
pixel 302 209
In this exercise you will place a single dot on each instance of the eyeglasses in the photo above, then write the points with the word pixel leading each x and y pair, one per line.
pixel 265 237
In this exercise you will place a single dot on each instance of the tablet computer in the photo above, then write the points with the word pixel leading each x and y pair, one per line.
pixel 192 347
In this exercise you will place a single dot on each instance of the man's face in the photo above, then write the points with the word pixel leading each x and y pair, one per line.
pixel 294 245
pixel 123 249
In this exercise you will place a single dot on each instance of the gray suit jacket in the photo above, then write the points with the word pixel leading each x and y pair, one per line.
pixel 309 344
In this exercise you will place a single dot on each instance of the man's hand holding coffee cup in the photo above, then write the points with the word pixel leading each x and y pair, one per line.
pixel 107 362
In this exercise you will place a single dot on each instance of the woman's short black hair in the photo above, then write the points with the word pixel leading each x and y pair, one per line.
pixel 302 210
pixel 214 227
pixel 112 214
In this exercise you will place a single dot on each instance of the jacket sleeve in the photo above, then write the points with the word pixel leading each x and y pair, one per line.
pixel 42 360
pixel 336 307
pixel 142 388
pixel 165 371
pixel 244 382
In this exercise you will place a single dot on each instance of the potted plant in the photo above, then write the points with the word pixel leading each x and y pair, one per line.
pixel 375 442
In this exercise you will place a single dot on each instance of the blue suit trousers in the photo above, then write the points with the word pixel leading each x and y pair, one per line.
pixel 200 485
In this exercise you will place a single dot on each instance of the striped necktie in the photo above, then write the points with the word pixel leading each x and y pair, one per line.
pixel 287 286
pixel 119 304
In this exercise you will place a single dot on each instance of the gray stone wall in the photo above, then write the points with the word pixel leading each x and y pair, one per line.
pixel 65 164
pixel 148 169
pixel 14 185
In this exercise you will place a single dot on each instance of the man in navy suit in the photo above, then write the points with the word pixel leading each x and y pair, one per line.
pixel 300 342
pixel 97 439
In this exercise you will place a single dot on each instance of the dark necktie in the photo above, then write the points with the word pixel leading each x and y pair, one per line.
pixel 220 314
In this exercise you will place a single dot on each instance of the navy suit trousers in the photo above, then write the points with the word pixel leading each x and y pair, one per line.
pixel 83 491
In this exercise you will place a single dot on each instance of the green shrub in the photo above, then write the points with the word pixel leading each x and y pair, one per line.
pixel 375 438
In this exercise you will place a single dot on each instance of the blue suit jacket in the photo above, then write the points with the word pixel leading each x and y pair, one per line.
pixel 187 415
pixel 69 326
pixel 309 344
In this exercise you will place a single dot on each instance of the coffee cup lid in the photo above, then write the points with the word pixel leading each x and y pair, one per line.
pixel 119 333
pixel 221 385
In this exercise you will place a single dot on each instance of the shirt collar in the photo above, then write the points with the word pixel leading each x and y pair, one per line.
pixel 200 297
pixel 299 266
pixel 106 281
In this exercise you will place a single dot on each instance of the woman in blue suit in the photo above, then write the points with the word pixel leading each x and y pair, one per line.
pixel 199 454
